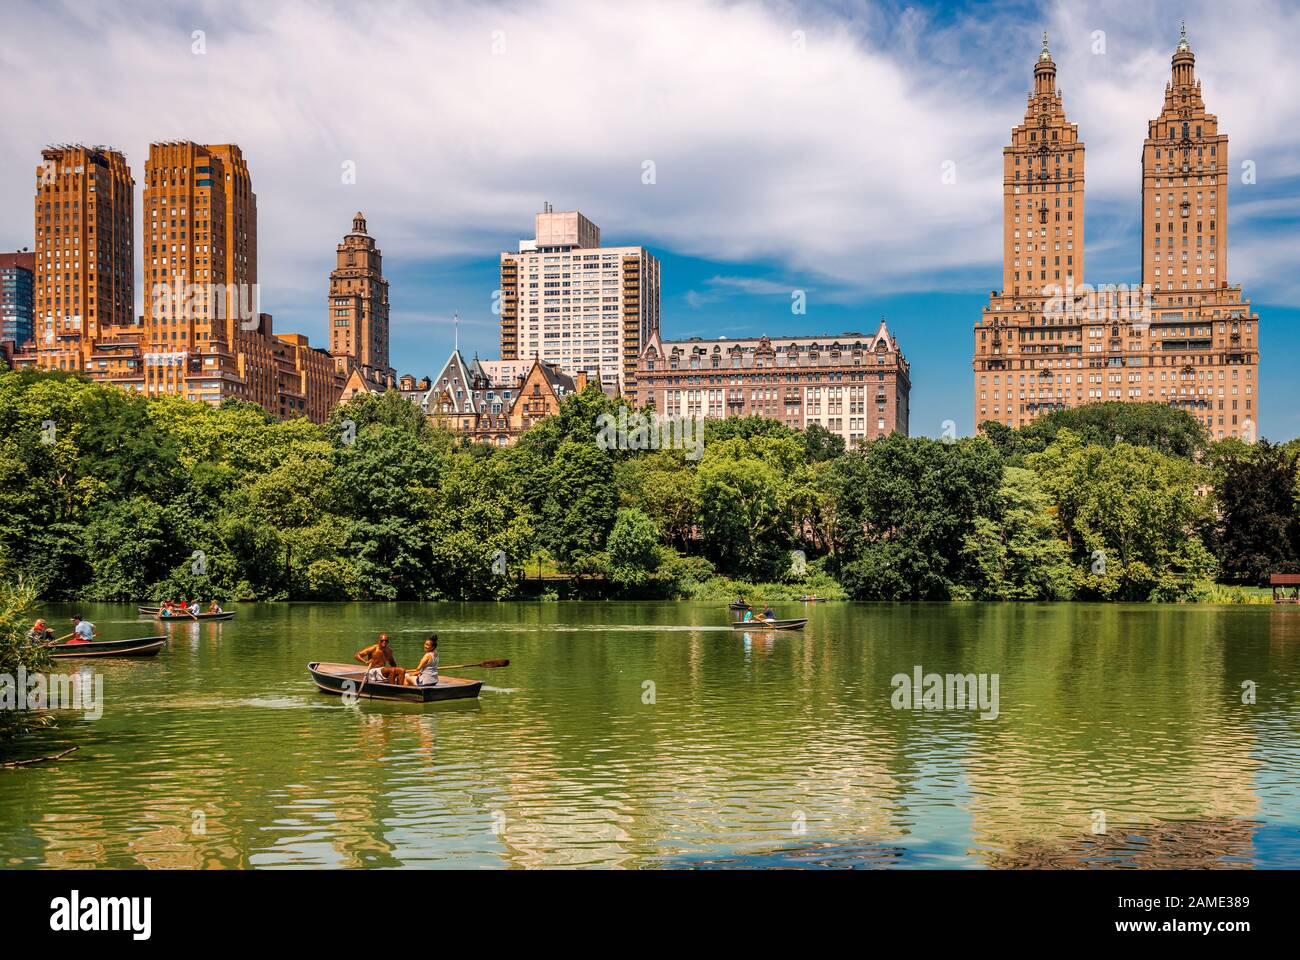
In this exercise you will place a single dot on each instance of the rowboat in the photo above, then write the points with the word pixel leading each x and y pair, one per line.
pixel 812 599
pixel 739 606
pixel 345 678
pixel 192 617
pixel 138 647
pixel 769 624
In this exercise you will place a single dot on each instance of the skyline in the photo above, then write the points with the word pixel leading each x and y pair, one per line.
pixel 735 239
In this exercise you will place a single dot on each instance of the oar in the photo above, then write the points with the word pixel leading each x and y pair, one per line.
pixel 488 664
pixel 68 636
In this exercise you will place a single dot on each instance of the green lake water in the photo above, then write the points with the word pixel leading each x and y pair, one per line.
pixel 650 735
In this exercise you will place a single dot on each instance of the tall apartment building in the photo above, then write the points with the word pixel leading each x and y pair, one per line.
pixel 200 276
pixel 1183 336
pixel 85 253
pixel 855 385
pixel 569 301
pixel 17 296
pixel 202 335
pixel 358 307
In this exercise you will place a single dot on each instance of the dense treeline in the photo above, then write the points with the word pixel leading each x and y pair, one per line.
pixel 106 495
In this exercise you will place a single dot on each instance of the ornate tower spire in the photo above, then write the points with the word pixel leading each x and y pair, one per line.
pixel 1184 61
pixel 1044 72
pixel 359 223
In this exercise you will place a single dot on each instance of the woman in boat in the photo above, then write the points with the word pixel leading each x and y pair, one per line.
pixel 40 633
pixel 749 615
pixel 381 665
pixel 426 671
pixel 215 607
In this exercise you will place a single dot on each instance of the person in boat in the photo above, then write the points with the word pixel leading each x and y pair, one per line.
pixel 83 631
pixel 215 607
pixel 742 602
pixel 40 633
pixel 194 607
pixel 381 665
pixel 426 671
pixel 749 615
pixel 767 613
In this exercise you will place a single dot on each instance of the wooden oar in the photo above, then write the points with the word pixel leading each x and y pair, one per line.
pixel 487 664
pixel 67 636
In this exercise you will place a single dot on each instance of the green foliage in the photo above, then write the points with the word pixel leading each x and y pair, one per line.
pixel 17 651
pixel 905 507
pixel 633 549
pixel 1130 516
pixel 1257 531
pixel 107 495
pixel 1156 425
pixel 1017 552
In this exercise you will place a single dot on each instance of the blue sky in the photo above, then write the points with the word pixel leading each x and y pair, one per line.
pixel 797 146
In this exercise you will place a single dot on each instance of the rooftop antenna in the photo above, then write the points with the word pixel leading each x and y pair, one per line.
pixel 455 320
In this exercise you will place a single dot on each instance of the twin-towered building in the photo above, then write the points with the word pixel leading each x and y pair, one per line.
pixel 1183 336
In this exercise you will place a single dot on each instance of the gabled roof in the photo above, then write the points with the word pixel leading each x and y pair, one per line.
pixel 455 379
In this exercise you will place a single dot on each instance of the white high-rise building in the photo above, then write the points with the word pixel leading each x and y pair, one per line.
pixel 569 301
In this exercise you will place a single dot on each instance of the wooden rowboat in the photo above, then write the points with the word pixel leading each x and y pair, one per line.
pixel 769 624
pixel 739 606
pixel 138 647
pixel 193 618
pixel 812 599
pixel 345 678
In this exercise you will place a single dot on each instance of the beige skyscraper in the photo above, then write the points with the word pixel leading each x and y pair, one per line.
pixel 569 301
pixel 358 306
pixel 84 283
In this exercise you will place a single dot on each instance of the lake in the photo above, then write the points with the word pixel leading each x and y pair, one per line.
pixel 651 735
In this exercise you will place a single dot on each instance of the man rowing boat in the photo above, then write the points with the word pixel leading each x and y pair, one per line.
pixel 381 665
pixel 83 631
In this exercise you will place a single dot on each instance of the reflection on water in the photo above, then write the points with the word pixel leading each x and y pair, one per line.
pixel 652 735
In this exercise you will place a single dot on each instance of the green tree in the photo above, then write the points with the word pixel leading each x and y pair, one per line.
pixel 1258 525
pixel 633 549
pixel 1155 425
pixel 1018 552
pixel 904 507
pixel 1130 517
